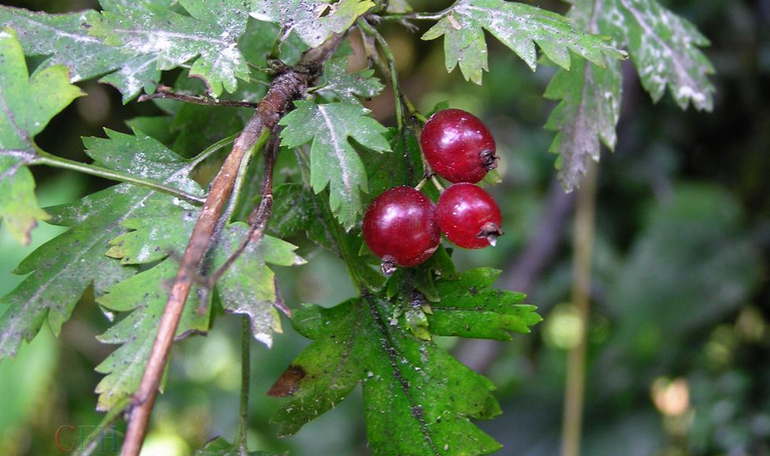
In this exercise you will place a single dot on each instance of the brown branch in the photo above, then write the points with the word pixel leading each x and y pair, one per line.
pixel 261 213
pixel 284 89
pixel 166 93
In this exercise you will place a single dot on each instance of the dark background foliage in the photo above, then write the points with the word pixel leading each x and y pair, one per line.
pixel 679 360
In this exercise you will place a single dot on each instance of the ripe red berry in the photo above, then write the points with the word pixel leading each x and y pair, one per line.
pixel 400 227
pixel 469 216
pixel 458 146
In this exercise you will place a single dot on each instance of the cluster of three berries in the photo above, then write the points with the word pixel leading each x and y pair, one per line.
pixel 403 226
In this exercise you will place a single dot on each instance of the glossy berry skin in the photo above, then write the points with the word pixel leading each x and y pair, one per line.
pixel 458 146
pixel 400 227
pixel 469 216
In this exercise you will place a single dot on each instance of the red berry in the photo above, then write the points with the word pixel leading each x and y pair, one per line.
pixel 400 227
pixel 458 146
pixel 469 216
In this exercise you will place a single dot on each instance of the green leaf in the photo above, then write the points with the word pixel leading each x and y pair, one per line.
pixel 419 400
pixel 469 307
pixel 312 20
pixel 248 287
pixel 589 111
pixel 60 270
pixel 664 48
pixel 346 87
pixel 145 296
pixel 166 39
pixel 333 160
pixel 26 106
pixel 65 39
pixel 221 447
pixel 519 27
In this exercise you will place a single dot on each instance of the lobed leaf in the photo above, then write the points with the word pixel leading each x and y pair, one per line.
pixel 26 106
pixel 60 270
pixel 419 400
pixel 519 27
pixel 166 39
pixel 664 48
pixel 338 84
pixel 312 20
pixel 333 160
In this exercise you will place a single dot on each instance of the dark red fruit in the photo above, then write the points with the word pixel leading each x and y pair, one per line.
pixel 400 227
pixel 469 216
pixel 458 146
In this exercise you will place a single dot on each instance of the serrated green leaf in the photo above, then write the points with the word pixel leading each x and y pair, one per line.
pixel 293 210
pixel 26 106
pixel 419 400
pixel 221 447
pixel 312 20
pixel 64 39
pixel 346 87
pixel 166 39
pixel 519 27
pixel 469 307
pixel 589 110
pixel 145 296
pixel 247 288
pixel 64 267
pixel 333 160
pixel 664 48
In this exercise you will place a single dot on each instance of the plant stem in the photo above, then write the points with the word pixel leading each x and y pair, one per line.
pixel 581 288
pixel 371 31
pixel 44 158
pixel 286 88
pixel 93 438
pixel 209 151
pixel 166 93
pixel 243 417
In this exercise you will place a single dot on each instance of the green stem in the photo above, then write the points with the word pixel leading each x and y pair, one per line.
pixel 242 170
pixel 209 151
pixel 574 397
pixel 243 417
pixel 93 438
pixel 44 158
pixel 371 31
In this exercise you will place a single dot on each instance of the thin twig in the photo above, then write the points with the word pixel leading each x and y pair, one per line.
pixel 243 416
pixel 91 442
pixel 391 64
pixel 283 91
pixel 581 287
pixel 260 215
pixel 166 93
pixel 53 161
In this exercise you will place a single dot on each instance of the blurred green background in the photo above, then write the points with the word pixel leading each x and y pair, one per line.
pixel 679 356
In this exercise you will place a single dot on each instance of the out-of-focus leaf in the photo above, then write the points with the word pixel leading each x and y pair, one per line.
pixel 26 106
pixel 333 160
pixel 221 447
pixel 690 265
